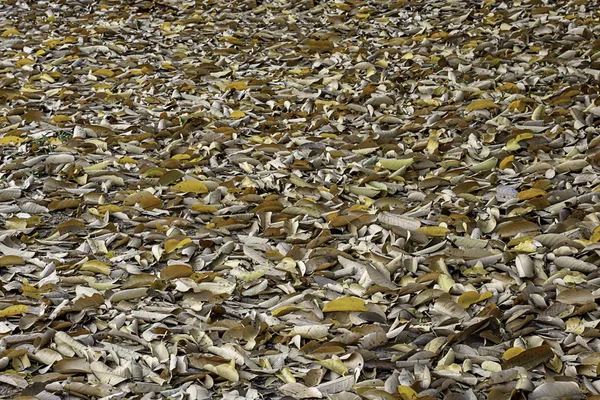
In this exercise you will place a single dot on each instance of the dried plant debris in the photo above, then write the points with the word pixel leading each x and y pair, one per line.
pixel 299 199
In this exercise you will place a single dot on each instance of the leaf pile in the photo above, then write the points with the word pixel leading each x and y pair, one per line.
pixel 344 200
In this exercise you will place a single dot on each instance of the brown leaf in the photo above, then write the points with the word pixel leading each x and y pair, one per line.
pixel 175 271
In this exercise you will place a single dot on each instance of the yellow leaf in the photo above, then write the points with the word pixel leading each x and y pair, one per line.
pixel 432 145
pixel 513 351
pixel 517 105
pixel 485 296
pixel 237 114
pixel 174 244
pixel 407 393
pixel 7 261
pixel 486 165
pixel 203 208
pixel 482 104
pixel 239 85
pixel 513 144
pixel 126 160
pixel 47 78
pixel 11 311
pixel 446 282
pixel 51 43
pixel 526 246
pixel 345 304
pixel 54 141
pixel 191 186
pixel 555 364
pixel 100 87
pixel 518 240
pixel 16 223
pixel 96 266
pixel 104 72
pixel 530 358
pixel 509 87
pixel 395 164
pixel 574 325
pixel 594 238
pixel 281 311
pixel 538 113
pixel 226 371
pixel 180 157
pixel 530 194
pixel 431 102
pixel 111 208
pixel 11 32
pixel 286 375
pixel 35 293
pixel 335 365
pixel 11 140
pixel 138 198
pixel 24 61
pixel 60 118
pixel 506 161
pixel 469 298
pixel 434 231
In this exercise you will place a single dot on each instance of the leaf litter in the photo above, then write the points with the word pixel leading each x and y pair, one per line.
pixel 345 200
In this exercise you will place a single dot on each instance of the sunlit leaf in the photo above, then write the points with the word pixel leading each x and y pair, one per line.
pixel 11 140
pixel 175 271
pixel 435 231
pixel 468 298
pixel 529 358
pixel 345 304
pixel 407 393
pixel 6 261
pixel 174 244
pixel 239 85
pixel 227 371
pixel 12 311
pixel 190 186
pixel 237 114
pixel 335 365
pixel 395 165
pixel 305 199
pixel 513 351
pixel 482 104
pixel 96 266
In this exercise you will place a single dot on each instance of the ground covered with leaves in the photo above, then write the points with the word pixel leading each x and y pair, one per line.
pixel 299 199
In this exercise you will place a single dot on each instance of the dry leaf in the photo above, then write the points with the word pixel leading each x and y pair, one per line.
pixel 529 358
pixel 96 266
pixel 12 311
pixel 345 304
pixel 300 199
pixel 482 104
pixel 190 186
pixel 175 271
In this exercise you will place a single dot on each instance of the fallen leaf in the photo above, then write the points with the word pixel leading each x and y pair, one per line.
pixel 237 114
pixel 529 358
pixel 345 304
pixel 190 186
pixel 482 104
pixel 96 266
pixel 12 311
